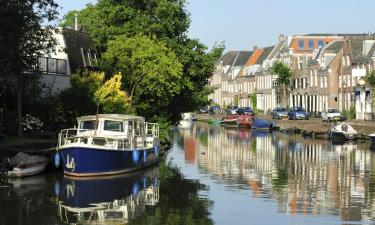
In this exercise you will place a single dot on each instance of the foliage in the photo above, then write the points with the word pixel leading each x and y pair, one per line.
pixel 112 98
pixel 370 78
pixel 23 39
pixel 351 113
pixel 254 100
pixel 282 71
pixel 183 66
pixel 31 124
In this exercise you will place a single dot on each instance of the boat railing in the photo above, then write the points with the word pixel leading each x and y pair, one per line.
pixel 93 137
pixel 152 129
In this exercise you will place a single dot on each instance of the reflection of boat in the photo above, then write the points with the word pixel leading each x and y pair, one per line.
pixel 107 144
pixel 343 131
pixel 113 199
pixel 23 164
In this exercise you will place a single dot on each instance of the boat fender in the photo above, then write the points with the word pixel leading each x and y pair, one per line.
pixel 144 155
pixel 135 188
pixel 57 188
pixel 156 149
pixel 57 160
pixel 136 156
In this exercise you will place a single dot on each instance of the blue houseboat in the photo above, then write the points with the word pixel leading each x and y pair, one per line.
pixel 107 144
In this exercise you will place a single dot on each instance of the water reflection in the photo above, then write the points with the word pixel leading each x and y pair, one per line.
pixel 303 176
pixel 116 199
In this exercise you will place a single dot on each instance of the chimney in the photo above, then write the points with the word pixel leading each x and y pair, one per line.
pixel 76 21
pixel 282 37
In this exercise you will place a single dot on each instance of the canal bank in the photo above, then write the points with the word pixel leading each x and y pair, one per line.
pixel 364 128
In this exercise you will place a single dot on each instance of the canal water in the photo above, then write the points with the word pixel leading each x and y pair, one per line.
pixel 212 175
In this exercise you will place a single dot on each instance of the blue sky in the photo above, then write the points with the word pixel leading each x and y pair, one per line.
pixel 242 24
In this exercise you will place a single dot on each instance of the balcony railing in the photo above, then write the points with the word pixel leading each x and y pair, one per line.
pixel 52 65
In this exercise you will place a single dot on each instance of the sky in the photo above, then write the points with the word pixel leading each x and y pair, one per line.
pixel 243 24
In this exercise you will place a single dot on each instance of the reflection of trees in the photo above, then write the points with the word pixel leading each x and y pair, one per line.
pixel 179 202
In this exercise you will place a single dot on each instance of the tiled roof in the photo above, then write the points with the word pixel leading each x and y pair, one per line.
pixel 265 53
pixel 77 42
pixel 333 47
pixel 242 58
pixel 228 58
pixel 336 34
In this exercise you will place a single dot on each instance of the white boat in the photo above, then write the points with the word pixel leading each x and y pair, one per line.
pixel 22 165
pixel 343 131
pixel 186 121
pixel 108 144
pixel 372 138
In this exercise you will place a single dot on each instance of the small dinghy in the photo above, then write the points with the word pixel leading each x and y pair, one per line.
pixel 343 131
pixel 23 164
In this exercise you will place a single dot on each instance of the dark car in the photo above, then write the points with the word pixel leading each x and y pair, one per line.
pixel 232 110
pixel 298 113
pixel 244 110
pixel 214 109
pixel 279 113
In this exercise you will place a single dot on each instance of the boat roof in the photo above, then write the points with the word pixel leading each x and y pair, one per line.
pixel 111 117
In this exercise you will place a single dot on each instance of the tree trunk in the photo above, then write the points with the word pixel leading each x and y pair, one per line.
pixel 19 104
pixel 283 96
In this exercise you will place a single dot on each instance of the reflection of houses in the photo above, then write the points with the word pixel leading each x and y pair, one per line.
pixel 303 175
pixel 74 51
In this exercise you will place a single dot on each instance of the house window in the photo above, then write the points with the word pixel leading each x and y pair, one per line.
pixel 311 44
pixel 301 44
pixel 320 43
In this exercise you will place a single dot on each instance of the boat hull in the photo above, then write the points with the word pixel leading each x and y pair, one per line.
pixel 343 136
pixel 30 170
pixel 83 161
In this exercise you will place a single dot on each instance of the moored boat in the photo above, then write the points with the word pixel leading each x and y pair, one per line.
pixel 107 144
pixel 372 138
pixel 23 164
pixel 186 121
pixel 343 131
pixel 262 124
pixel 238 121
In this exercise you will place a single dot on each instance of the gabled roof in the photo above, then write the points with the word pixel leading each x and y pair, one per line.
pixel 333 47
pixel 228 58
pixel 78 44
pixel 265 53
pixel 242 58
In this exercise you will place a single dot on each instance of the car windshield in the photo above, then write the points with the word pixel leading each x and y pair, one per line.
pixel 333 111
pixel 298 109
pixel 245 108
pixel 281 109
pixel 232 107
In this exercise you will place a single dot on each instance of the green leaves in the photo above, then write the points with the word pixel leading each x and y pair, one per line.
pixel 282 71
pixel 370 78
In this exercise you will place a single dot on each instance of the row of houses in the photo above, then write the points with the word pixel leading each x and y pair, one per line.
pixel 328 71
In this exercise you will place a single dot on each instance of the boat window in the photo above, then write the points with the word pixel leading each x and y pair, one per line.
pixel 111 125
pixel 130 128
pixel 87 125
pixel 333 111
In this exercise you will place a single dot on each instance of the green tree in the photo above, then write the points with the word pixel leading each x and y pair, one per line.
pixel 112 98
pixel 23 39
pixel 283 75
pixel 370 80
pixel 163 24
pixel 153 73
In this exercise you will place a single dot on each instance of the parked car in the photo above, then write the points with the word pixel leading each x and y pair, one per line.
pixel 203 109
pixel 331 114
pixel 232 110
pixel 214 109
pixel 298 113
pixel 245 111
pixel 279 113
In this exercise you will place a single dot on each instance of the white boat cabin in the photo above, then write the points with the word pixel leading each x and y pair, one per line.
pixel 114 131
